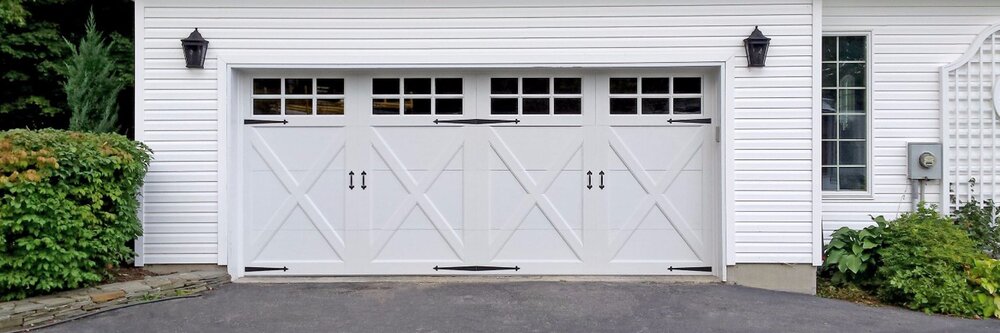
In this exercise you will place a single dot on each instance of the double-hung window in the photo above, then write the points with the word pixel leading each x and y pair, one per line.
pixel 845 113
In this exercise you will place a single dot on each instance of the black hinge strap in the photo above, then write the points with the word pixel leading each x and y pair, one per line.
pixel 265 269
pixel 693 269
pixel 693 121
pixel 475 121
pixel 261 121
pixel 477 268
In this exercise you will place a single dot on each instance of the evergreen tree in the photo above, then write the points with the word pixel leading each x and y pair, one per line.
pixel 92 83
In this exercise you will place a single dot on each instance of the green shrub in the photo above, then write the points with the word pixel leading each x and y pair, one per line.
pixel 980 221
pixel 68 205
pixel 92 83
pixel 985 276
pixel 924 262
pixel 852 255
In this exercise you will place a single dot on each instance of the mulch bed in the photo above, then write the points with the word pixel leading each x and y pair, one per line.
pixel 123 274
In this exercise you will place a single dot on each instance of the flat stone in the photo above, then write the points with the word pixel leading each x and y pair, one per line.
pixel 11 321
pixel 157 282
pixel 107 296
pixel 51 302
pixel 112 286
pixel 32 321
pixel 6 306
pixel 25 306
pixel 134 286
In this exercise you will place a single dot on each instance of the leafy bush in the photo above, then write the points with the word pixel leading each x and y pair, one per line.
pixel 68 205
pixel 924 263
pixel 852 255
pixel 93 83
pixel 980 221
pixel 985 275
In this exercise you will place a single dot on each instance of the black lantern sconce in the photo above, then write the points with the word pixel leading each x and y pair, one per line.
pixel 756 46
pixel 195 48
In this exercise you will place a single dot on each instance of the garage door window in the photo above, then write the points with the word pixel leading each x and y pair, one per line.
pixel 536 95
pixel 655 95
pixel 417 96
pixel 298 96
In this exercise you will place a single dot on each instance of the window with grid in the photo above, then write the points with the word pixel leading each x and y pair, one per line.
pixel 298 96
pixel 845 113
pixel 417 96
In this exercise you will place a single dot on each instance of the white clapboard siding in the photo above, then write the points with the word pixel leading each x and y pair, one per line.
pixel 773 105
pixel 912 40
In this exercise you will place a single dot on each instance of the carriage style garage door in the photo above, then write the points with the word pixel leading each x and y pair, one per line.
pixel 471 173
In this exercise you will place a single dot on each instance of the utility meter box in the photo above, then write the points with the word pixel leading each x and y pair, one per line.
pixel 923 160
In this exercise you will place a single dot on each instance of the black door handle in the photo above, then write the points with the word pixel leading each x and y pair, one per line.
pixel 351 184
pixel 363 174
pixel 590 180
pixel 602 179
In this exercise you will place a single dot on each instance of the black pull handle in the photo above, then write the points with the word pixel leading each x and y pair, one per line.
pixel 363 186
pixel 692 121
pixel 476 121
pixel 590 180
pixel 351 185
pixel 261 121
pixel 602 179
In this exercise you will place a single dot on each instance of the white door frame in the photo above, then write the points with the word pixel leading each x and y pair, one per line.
pixel 230 133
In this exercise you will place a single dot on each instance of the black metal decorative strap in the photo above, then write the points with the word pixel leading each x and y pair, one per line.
pixel 693 269
pixel 265 269
pixel 477 268
pixel 693 121
pixel 476 121
pixel 261 121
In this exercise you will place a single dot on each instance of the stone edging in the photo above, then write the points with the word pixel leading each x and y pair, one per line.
pixel 39 310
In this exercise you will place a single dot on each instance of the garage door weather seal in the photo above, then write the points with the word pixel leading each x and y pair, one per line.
pixel 477 268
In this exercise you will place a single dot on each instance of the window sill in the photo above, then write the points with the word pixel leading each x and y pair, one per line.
pixel 847 196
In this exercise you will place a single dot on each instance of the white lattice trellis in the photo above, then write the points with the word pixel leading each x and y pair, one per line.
pixel 970 124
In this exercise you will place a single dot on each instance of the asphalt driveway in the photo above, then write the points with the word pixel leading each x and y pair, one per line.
pixel 511 307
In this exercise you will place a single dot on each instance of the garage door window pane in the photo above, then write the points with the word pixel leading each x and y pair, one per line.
pixel 298 86
pixel 535 106
pixel 507 86
pixel 503 106
pixel 298 106
pixel 656 85
pixel 621 85
pixel 266 106
pixel 687 85
pixel 330 106
pixel 448 106
pixel 417 106
pixel 567 106
pixel 568 85
pixel 687 105
pixel 267 86
pixel 330 86
pixel 385 106
pixel 448 86
pixel 535 86
pixel 623 105
pixel 385 86
pixel 417 86
pixel 655 106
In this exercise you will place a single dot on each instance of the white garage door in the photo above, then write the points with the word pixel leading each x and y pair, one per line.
pixel 458 173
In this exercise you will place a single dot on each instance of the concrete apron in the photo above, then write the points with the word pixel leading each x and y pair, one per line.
pixel 478 279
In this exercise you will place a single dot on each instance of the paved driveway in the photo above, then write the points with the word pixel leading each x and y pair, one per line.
pixel 511 307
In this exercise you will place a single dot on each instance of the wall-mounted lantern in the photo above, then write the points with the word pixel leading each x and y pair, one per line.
pixel 195 48
pixel 756 46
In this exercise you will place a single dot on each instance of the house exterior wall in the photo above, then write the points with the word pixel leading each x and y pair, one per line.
pixel 911 41
pixel 772 199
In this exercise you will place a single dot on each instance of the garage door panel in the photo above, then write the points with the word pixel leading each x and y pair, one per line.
pixel 418 239
pixel 536 240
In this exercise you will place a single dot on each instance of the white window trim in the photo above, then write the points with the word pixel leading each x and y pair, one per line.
pixel 868 193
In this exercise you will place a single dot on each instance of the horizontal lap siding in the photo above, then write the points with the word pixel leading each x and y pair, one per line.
pixel 911 39
pixel 772 105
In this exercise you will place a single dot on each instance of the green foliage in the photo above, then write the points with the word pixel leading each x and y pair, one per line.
pixel 68 205
pixel 985 276
pixel 924 262
pixel 33 50
pixel 981 220
pixel 92 83
pixel 852 255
